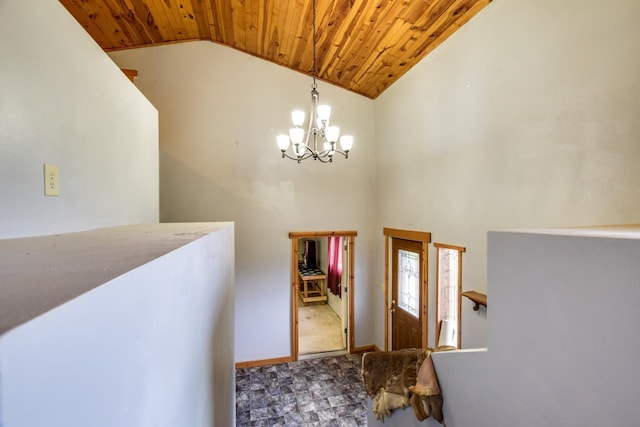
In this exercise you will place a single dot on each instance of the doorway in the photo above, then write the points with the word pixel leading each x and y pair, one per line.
pixel 406 287
pixel 322 298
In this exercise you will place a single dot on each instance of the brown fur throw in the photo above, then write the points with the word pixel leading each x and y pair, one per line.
pixel 396 379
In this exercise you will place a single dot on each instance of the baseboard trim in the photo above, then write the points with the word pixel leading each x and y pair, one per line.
pixel 254 363
pixel 365 349
pixel 287 359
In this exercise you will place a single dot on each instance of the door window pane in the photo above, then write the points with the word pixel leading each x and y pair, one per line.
pixel 408 281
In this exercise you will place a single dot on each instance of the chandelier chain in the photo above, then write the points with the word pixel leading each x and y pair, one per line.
pixel 305 144
pixel 314 45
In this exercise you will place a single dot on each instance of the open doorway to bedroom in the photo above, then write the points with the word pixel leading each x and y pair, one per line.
pixel 322 297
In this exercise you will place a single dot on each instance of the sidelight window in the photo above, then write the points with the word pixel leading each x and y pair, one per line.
pixel 448 291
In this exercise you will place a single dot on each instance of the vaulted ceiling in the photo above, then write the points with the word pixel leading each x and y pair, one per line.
pixel 362 45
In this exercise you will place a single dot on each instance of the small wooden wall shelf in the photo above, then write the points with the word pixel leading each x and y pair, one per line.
pixel 478 299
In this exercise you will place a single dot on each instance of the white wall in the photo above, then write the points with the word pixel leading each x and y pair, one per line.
pixel 152 347
pixel 220 111
pixel 64 102
pixel 504 125
pixel 574 298
pixel 563 346
pixel 526 117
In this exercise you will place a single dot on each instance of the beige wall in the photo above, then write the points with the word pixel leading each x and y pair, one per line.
pixel 220 111
pixel 526 117
pixel 64 102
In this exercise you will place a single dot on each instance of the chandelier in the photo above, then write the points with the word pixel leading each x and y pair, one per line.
pixel 305 145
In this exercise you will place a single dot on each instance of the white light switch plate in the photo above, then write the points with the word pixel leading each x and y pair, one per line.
pixel 51 183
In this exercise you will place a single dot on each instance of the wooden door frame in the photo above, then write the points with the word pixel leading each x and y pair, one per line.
pixel 417 236
pixel 461 250
pixel 295 236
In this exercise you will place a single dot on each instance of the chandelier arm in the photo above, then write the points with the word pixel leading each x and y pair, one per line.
pixel 306 156
pixel 288 156
pixel 299 159
pixel 325 154
pixel 344 153
pixel 324 159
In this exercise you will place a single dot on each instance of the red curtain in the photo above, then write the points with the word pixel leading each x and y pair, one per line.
pixel 334 268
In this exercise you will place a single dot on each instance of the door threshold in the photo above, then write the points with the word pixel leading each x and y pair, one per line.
pixel 323 354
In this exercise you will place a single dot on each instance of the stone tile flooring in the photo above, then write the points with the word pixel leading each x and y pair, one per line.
pixel 316 392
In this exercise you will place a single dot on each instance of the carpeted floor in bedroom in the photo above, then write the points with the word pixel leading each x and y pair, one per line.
pixel 319 329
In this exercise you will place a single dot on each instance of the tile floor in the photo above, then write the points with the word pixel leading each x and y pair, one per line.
pixel 319 392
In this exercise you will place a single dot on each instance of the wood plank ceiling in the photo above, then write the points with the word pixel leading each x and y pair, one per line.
pixel 362 45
